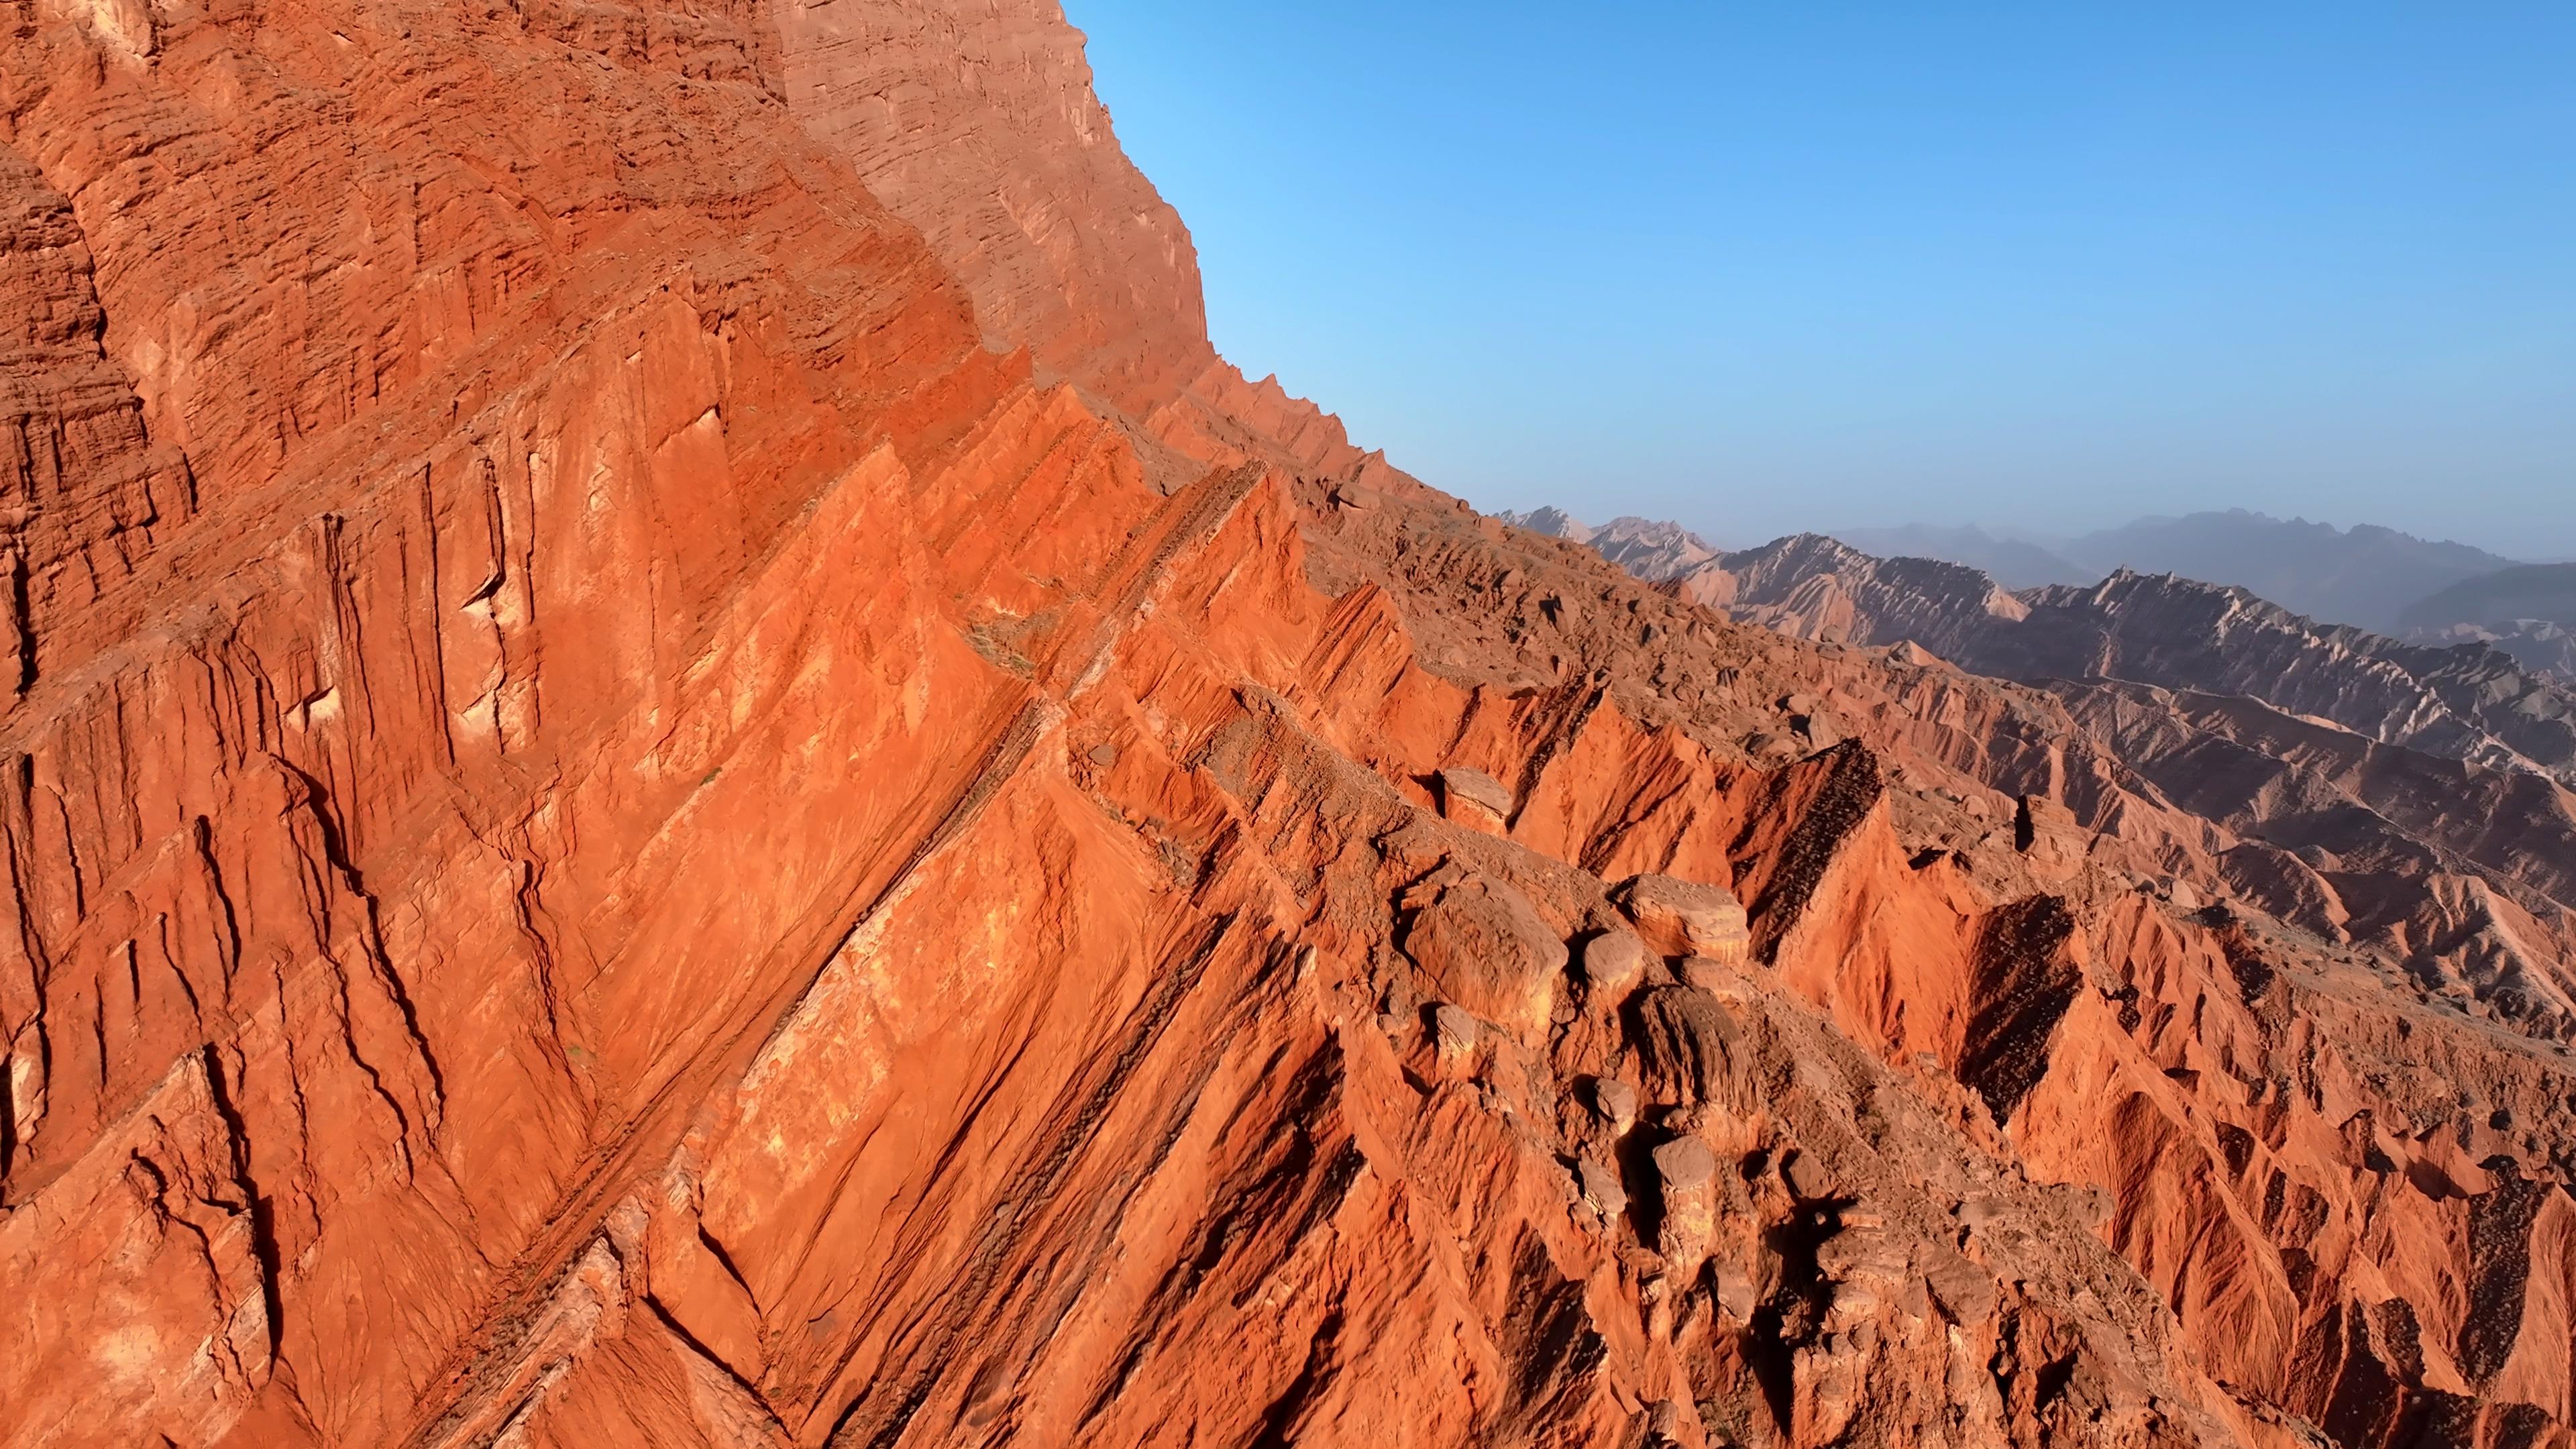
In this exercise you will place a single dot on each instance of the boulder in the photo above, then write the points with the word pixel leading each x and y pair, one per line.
pixel 1686 918
pixel 1615 1101
pixel 1966 1292
pixel 1707 973
pixel 1686 1186
pixel 1771 748
pixel 1685 1164
pixel 1474 798
pixel 1483 944
pixel 1613 963
pixel 1674 1424
pixel 1805 1176
pixel 1734 1289
pixel 1454 1031
pixel 1601 1188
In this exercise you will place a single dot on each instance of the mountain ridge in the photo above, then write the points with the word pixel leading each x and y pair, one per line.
pixel 683 769
pixel 2366 575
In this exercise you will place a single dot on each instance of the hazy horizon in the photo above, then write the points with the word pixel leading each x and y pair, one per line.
pixel 2004 532
pixel 1770 271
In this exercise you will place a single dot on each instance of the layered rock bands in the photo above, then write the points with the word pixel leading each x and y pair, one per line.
pixel 679 767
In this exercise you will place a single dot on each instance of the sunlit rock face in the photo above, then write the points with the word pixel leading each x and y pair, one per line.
pixel 678 767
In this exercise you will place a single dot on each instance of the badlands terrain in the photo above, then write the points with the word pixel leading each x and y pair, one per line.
pixel 680 767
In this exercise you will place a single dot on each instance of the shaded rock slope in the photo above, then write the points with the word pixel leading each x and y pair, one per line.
pixel 680 768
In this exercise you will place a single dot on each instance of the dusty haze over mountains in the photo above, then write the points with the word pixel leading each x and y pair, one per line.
pixel 681 767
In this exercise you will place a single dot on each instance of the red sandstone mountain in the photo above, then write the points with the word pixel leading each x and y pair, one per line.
pixel 681 769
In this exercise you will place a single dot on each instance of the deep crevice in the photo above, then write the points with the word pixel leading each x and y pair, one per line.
pixel 261 1208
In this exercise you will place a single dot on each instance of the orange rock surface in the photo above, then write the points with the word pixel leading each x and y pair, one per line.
pixel 680 768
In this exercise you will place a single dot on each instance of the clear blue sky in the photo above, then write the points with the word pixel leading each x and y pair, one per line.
pixel 1788 265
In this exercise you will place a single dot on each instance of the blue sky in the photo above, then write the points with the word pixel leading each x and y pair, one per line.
pixel 1765 267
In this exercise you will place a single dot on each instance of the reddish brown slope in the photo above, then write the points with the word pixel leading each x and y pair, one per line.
pixel 618 833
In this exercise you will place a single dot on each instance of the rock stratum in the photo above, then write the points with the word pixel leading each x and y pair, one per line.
pixel 681 768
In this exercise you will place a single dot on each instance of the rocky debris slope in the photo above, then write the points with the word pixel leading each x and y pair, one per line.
pixel 618 830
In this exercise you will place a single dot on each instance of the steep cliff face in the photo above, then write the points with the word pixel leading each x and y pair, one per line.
pixel 680 769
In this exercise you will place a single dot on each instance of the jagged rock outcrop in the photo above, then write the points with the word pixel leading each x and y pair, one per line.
pixel 666 787
pixel 2469 704
pixel 1816 588
pixel 2356 803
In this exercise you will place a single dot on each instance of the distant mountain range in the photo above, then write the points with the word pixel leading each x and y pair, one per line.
pixel 2365 576
pixel 2526 591
pixel 2015 563
pixel 1646 547
pixel 2398 588
pixel 2161 631
pixel 2528 611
